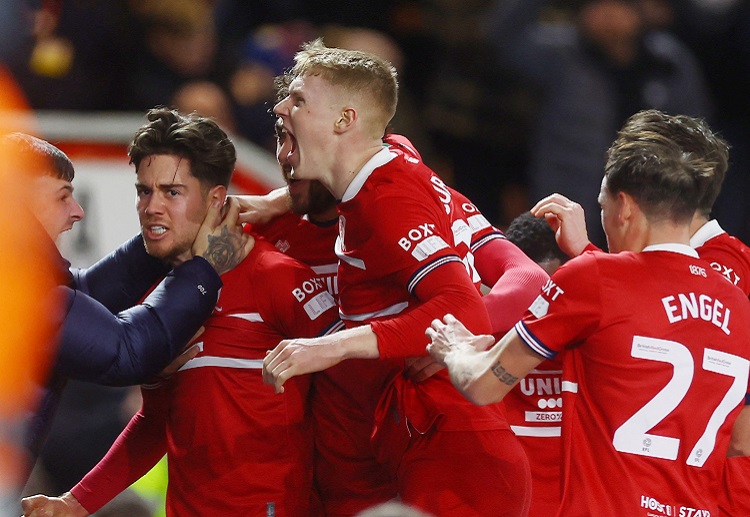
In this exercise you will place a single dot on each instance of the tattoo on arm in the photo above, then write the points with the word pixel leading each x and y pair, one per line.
pixel 503 375
pixel 224 251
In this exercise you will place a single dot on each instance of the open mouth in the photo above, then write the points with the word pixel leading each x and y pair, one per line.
pixel 154 231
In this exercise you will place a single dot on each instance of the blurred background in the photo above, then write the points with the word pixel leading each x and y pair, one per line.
pixel 507 100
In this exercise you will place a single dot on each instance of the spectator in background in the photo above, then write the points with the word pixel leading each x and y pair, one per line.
pixel 178 43
pixel 593 73
pixel 77 56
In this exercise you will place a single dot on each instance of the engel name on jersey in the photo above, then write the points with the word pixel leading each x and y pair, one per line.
pixel 655 372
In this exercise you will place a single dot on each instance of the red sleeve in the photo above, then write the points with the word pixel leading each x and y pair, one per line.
pixel 516 281
pixel 138 448
pixel 444 290
pixel 591 247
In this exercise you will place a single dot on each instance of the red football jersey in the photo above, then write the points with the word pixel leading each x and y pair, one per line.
pixel 534 411
pixel 383 256
pixel 727 254
pixel 234 446
pixel 654 373
pixel 310 243
pixel 730 257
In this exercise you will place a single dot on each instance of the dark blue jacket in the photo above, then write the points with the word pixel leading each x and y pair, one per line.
pixel 106 337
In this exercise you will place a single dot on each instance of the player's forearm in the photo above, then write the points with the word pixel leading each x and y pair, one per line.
pixel 403 336
pixel 138 448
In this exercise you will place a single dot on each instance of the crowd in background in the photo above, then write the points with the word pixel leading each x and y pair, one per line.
pixel 508 100
pixel 477 97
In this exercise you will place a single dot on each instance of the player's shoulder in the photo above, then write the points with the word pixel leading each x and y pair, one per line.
pixel 270 261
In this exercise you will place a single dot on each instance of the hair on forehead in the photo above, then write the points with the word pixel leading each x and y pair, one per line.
pixel 37 156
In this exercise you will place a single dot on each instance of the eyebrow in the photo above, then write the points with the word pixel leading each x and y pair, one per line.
pixel 161 186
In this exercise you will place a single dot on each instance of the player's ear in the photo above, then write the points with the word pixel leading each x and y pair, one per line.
pixel 626 206
pixel 217 193
pixel 346 120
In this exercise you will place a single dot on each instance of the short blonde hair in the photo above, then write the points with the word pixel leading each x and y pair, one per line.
pixel 359 73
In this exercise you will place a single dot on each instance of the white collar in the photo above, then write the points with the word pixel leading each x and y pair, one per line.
pixel 674 247
pixel 380 158
pixel 708 231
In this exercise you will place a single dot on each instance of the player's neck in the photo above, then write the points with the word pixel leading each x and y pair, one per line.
pixel 324 218
pixel 350 162
pixel 667 232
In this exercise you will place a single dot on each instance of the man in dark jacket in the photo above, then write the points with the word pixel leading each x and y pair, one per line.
pixel 102 334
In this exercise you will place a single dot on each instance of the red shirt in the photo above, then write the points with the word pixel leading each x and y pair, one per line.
pixel 233 445
pixel 655 372
pixel 309 242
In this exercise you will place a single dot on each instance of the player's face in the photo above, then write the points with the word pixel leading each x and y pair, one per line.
pixel 609 214
pixel 53 204
pixel 308 196
pixel 171 207
pixel 309 114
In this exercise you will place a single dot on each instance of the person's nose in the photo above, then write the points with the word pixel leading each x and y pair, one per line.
pixel 77 213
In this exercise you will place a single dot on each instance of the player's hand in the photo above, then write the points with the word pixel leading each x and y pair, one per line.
pixel 42 506
pixel 220 239
pixel 189 352
pixel 567 219
pixel 262 209
pixel 451 336
pixel 420 369
pixel 293 357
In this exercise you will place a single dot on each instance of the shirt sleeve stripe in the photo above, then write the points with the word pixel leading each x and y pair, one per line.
pixel 485 239
pixel 429 267
pixel 532 342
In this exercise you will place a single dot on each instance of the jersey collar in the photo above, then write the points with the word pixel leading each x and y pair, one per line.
pixel 674 247
pixel 708 231
pixel 381 158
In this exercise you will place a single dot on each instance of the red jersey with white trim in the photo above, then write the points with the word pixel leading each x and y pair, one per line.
pixel 655 372
pixel 310 243
pixel 234 446
pixel 730 257
pixel 398 223
pixel 534 411
pixel 727 254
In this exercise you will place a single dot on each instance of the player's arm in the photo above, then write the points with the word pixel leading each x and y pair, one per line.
pixel 132 346
pixel 516 281
pixel 138 448
pixel 121 279
pixel 446 289
pixel 262 209
pixel 740 442
pixel 483 377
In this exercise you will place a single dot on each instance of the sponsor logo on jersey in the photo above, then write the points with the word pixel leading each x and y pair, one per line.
pixel 422 241
pixel 308 287
pixel 726 272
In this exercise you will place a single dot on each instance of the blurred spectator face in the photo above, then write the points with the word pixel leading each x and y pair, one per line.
pixel 308 196
pixel 53 204
pixel 208 100
pixel 615 26
pixel 171 206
